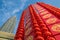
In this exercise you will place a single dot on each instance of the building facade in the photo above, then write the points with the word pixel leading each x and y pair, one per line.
pixel 39 21
pixel 6 31
pixel 9 25
pixel 6 36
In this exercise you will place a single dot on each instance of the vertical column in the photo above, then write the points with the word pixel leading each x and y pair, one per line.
pixel 28 26
pixel 53 22
pixel 20 31
pixel 36 29
pixel 53 10
pixel 46 33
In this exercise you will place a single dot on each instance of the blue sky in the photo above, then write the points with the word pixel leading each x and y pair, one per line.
pixel 10 8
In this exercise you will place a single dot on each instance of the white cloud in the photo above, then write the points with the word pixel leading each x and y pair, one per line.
pixel 23 1
pixel 5 17
pixel 8 3
pixel 21 7
pixel 13 4
pixel 16 10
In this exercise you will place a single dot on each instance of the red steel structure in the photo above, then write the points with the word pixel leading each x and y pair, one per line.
pixel 39 21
